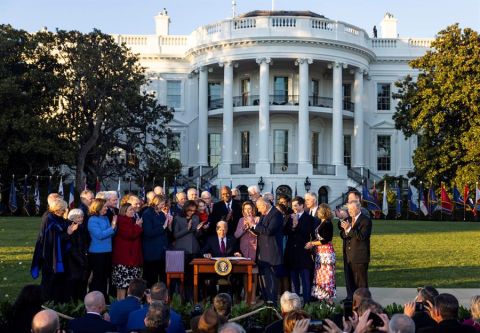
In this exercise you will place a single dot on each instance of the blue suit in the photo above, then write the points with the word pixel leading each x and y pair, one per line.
pixel 119 311
pixel 135 321
pixel 91 323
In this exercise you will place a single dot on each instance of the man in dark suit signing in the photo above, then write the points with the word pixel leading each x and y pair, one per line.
pixel 221 245
pixel 227 210
pixel 93 321
pixel 356 231
pixel 269 231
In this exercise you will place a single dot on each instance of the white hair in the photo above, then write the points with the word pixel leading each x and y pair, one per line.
pixel 94 301
pixel 231 328
pixel 74 213
pixel 205 193
pixel 253 189
pixel 58 204
pixel 222 222
pixel 289 302
pixel 401 323
pixel 110 194
pixel 311 195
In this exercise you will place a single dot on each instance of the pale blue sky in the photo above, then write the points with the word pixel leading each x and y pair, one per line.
pixel 416 18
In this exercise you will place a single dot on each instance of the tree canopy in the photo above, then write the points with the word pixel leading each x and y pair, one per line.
pixel 442 106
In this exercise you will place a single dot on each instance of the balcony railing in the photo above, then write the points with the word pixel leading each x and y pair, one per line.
pixel 324 169
pixel 254 100
pixel 282 168
pixel 240 169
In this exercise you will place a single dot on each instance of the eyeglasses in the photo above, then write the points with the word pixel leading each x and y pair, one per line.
pixel 191 210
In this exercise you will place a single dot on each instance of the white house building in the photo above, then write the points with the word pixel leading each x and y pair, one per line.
pixel 274 97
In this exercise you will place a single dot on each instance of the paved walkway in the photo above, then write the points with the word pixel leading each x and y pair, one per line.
pixel 386 296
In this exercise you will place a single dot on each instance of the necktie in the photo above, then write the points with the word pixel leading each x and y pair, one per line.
pixel 222 246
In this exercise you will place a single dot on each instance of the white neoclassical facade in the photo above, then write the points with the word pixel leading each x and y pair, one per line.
pixel 274 97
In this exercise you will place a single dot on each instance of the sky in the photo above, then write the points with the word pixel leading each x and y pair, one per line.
pixel 416 18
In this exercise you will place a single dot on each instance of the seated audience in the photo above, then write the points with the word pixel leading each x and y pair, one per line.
pixel 475 310
pixel 46 321
pixel 418 309
pixel 288 303
pixel 401 323
pixel 296 321
pixel 209 322
pixel 231 328
pixel 158 293
pixel 28 303
pixel 157 318
pixel 222 304
pixel 93 321
pixel 119 311
pixel 444 311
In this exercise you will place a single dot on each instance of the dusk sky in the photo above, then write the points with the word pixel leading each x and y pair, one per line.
pixel 416 18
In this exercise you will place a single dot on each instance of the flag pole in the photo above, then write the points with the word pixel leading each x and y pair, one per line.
pixel 465 200
pixel 441 202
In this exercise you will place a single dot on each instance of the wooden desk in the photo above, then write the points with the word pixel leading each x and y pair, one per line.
pixel 202 265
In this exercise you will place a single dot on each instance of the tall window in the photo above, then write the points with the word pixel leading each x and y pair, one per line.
pixel 245 148
pixel 315 92
pixel 214 149
pixel 347 149
pixel 173 144
pixel 280 90
pixel 174 93
pixel 245 91
pixel 384 153
pixel 383 96
pixel 215 100
pixel 280 147
pixel 347 96
pixel 315 136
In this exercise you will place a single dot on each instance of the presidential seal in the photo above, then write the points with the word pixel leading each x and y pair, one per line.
pixel 223 266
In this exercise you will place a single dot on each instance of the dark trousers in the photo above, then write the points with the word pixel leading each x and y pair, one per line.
pixel 302 274
pixel 78 289
pixel 347 273
pixel 54 287
pixel 268 281
pixel 101 264
pixel 357 276
pixel 154 271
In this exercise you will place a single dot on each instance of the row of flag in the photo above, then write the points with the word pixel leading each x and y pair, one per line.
pixel 418 202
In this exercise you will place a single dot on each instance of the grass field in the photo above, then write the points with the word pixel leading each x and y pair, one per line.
pixel 404 254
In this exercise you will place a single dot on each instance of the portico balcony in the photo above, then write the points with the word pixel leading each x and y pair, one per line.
pixel 242 169
pixel 324 169
pixel 284 168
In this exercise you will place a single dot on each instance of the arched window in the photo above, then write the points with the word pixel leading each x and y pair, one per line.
pixel 322 195
pixel 283 189
pixel 243 192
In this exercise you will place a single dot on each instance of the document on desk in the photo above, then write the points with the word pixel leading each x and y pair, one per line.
pixel 230 258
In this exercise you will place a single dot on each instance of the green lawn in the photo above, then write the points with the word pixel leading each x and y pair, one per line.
pixel 404 254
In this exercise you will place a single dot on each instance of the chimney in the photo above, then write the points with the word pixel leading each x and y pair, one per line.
pixel 162 23
pixel 388 26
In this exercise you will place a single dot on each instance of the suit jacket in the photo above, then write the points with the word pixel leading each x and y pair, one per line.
pixel 358 240
pixel 220 212
pixel 155 237
pixel 135 321
pixel 120 310
pixel 296 256
pixel 91 323
pixel 212 246
pixel 448 326
pixel 269 231
pixel 186 240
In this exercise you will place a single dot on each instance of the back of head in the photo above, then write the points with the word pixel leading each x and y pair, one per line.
pixel 94 301
pixel 447 306
pixel 231 328
pixel 359 295
pixel 289 302
pixel 427 293
pixel 210 321
pixel 475 308
pixel 369 304
pixel 137 288
pixel 291 318
pixel 401 323
pixel 222 303
pixel 158 315
pixel 30 297
pixel 46 321
pixel 159 292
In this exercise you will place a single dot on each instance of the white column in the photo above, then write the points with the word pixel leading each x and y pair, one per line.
pixel 227 134
pixel 358 153
pixel 337 116
pixel 263 165
pixel 203 117
pixel 304 164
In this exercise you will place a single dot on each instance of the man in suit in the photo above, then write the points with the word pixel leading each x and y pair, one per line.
pixel 181 198
pixel 112 201
pixel 356 231
pixel 207 197
pixel 46 321
pixel 311 203
pixel 444 311
pixel 158 293
pixel 221 245
pixel 119 311
pixel 269 231
pixel 227 210
pixel 298 260
pixel 93 321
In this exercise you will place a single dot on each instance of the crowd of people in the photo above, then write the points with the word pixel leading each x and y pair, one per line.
pixel 111 246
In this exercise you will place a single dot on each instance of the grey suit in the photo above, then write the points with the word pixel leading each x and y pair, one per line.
pixel 185 239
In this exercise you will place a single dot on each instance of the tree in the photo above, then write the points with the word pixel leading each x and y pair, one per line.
pixel 29 143
pixel 104 111
pixel 442 108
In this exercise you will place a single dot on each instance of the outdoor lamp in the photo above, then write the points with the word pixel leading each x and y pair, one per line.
pixel 261 184
pixel 308 184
